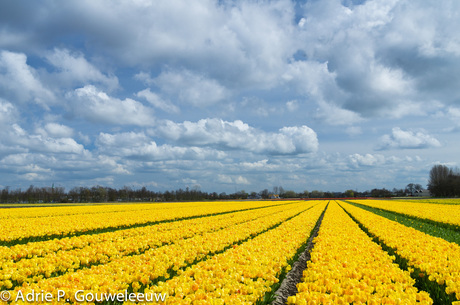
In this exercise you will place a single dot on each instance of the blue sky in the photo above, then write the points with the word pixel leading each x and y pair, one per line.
pixel 228 95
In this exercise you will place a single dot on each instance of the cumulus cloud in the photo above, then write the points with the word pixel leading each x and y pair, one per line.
pixel 238 135
pixel 367 58
pixel 19 140
pixel 312 78
pixel 243 43
pixel 20 82
pixel 156 101
pixel 191 88
pixel 358 160
pixel 226 179
pixel 74 69
pixel 385 53
pixel 98 107
pixel 261 165
pixel 8 113
pixel 55 130
pixel 255 64
pixel 453 113
pixel 334 115
pixel 140 146
pixel 400 139
pixel 39 143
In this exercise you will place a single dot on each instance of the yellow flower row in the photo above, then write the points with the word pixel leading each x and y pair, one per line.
pixel 86 220
pixel 346 266
pixel 58 210
pixel 101 248
pixel 38 249
pixel 245 273
pixel 137 270
pixel 102 208
pixel 437 212
pixel 436 257
pixel 436 200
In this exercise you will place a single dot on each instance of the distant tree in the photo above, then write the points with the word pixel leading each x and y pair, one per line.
pixel 349 193
pixel 438 182
pixel 398 192
pixel 242 194
pixel 316 194
pixel 380 193
pixel 290 194
pixel 5 193
pixel 264 194
pixel 306 194
pixel 410 188
pixel 281 191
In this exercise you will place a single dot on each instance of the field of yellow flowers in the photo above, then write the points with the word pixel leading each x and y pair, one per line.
pixel 440 212
pixel 234 252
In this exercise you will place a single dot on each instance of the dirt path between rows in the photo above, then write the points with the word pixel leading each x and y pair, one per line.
pixel 289 284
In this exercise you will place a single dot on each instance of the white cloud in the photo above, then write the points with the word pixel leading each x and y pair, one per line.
pixel 139 146
pixel 358 160
pixel 157 101
pixel 37 143
pixel 256 65
pixel 56 130
pixel 84 138
pixel 312 78
pixel 226 179
pixel 454 112
pixel 8 113
pixel 333 115
pixel 17 137
pixel 113 165
pixel 53 138
pixel 261 165
pixel 19 81
pixel 75 69
pixel 292 105
pixel 97 107
pixel 241 180
pixel 400 139
pixel 238 135
pixel 191 88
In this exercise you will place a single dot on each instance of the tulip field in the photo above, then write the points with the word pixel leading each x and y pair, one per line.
pixel 236 252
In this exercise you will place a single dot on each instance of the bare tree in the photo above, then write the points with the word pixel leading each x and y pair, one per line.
pixel 410 188
pixel 438 183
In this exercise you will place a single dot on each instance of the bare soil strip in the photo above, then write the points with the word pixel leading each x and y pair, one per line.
pixel 289 284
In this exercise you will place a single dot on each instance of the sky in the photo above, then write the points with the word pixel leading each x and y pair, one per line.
pixel 228 95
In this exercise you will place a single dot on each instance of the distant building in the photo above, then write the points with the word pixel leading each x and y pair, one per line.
pixel 422 193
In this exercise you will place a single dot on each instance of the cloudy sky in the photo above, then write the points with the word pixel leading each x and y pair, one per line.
pixel 228 95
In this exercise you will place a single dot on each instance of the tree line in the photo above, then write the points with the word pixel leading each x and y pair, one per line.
pixel 98 193
pixel 444 181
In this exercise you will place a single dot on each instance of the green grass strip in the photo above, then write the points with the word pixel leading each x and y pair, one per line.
pixel 451 233
pixel 437 292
